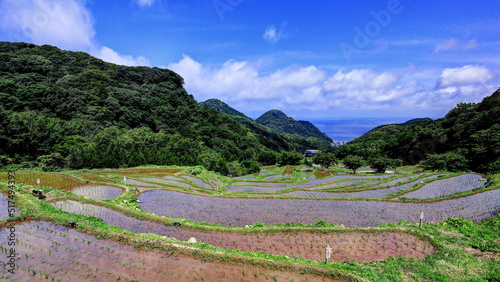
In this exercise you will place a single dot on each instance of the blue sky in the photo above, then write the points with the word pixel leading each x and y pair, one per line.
pixel 320 59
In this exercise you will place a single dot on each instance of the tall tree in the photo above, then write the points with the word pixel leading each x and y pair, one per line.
pixel 353 162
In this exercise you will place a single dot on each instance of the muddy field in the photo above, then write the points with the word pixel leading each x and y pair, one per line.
pixel 48 252
pixel 361 247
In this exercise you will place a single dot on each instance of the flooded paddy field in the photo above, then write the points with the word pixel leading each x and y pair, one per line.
pixel 298 245
pixel 324 183
pixel 191 196
pixel 240 212
pixel 139 183
pixel 97 192
pixel 168 181
pixel 112 217
pixel 449 186
pixel 199 182
pixel 370 193
pixel 55 253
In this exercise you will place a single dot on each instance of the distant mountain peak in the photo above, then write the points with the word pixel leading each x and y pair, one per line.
pixel 279 121
pixel 274 113
pixel 222 107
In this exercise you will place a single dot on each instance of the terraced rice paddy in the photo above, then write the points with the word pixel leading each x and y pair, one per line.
pixel 146 170
pixel 94 178
pixel 139 183
pixel 369 194
pixel 329 182
pixel 112 217
pixel 263 184
pixel 361 247
pixel 98 192
pixel 354 246
pixel 255 189
pixel 449 186
pixel 54 180
pixel 398 180
pixel 167 181
pixel 240 212
pixel 55 253
pixel 199 182
pixel 52 252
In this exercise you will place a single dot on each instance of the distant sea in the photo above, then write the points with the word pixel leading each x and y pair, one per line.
pixel 346 129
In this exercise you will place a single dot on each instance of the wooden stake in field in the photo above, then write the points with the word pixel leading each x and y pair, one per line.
pixel 38 181
pixel 328 253
pixel 421 218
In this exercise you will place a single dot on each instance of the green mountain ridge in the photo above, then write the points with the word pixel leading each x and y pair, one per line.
pixel 381 130
pixel 306 134
pixel 222 107
pixel 279 121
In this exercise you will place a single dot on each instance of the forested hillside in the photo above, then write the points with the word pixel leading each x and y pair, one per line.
pixel 68 109
pixel 222 107
pixel 468 137
pixel 279 121
pixel 382 130
pixel 306 136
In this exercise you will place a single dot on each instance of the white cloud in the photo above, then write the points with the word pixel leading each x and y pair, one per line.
pixel 469 74
pixel 469 83
pixel 359 80
pixel 109 55
pixel 294 87
pixel 365 89
pixel 297 77
pixel 145 3
pixel 308 88
pixel 455 44
pixel 230 81
pixel 240 80
pixel 66 24
pixel 271 34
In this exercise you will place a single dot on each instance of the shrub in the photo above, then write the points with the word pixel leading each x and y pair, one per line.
pixel 290 158
pixel 324 159
pixel 268 157
pixel 450 161
pixel 380 164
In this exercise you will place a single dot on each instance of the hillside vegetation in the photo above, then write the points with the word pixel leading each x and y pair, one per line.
pixel 62 109
pixel 276 130
pixel 467 138
pixel 221 107
pixel 280 122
